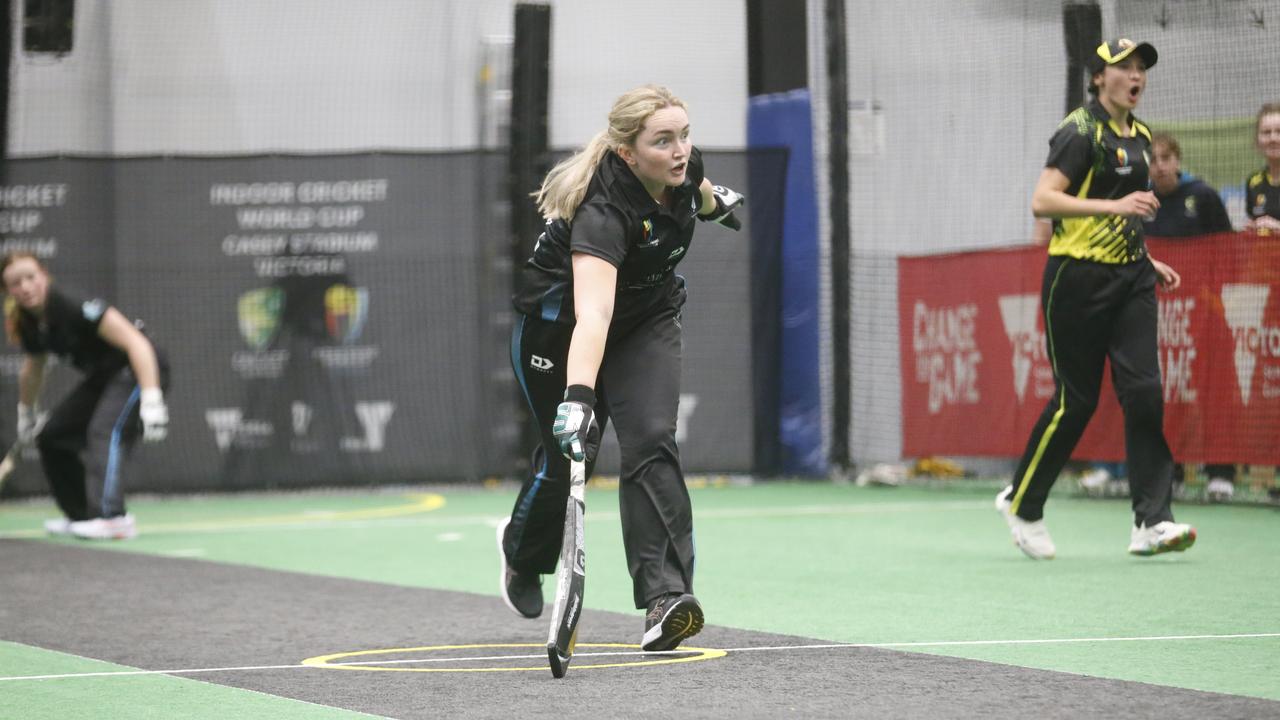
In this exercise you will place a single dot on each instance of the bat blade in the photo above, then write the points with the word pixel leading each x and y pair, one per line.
pixel 571 580
pixel 9 462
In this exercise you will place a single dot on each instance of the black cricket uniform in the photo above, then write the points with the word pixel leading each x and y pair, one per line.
pixel 1098 299
pixel 87 440
pixel 1193 208
pixel 1262 195
pixel 638 385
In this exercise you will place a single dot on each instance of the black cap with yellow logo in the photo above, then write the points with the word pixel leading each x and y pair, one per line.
pixel 1113 51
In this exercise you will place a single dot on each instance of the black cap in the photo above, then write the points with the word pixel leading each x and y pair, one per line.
pixel 1113 51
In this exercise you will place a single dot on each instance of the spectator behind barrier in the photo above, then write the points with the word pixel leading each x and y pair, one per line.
pixel 1262 189
pixel 1188 207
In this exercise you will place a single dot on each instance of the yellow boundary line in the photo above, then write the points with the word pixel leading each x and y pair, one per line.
pixel 419 503
pixel 323 661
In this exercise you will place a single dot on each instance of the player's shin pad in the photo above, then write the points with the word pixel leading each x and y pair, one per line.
pixel 571 580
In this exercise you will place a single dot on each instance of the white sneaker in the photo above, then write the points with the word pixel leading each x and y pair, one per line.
pixel 1095 480
pixel 120 527
pixel 57 526
pixel 882 474
pixel 1219 490
pixel 1162 537
pixel 1032 538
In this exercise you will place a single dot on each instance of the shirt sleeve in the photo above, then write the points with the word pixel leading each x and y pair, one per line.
pixel 697 171
pixel 1071 152
pixel 599 229
pixel 82 315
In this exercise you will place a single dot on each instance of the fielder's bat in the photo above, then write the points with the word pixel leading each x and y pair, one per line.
pixel 9 462
pixel 572 578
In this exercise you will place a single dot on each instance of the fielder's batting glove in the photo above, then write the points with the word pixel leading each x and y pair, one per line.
pixel 726 202
pixel 575 428
pixel 155 416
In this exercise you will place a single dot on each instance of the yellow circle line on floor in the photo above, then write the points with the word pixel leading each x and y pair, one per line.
pixel 424 502
pixel 323 661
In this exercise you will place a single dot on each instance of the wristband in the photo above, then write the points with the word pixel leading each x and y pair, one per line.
pixel 152 396
pixel 580 394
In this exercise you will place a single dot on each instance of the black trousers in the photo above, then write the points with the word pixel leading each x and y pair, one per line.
pixel 638 388
pixel 86 445
pixel 1092 312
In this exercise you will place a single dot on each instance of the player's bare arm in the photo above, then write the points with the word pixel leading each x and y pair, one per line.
pixel 118 331
pixel 1050 200
pixel 594 282
pixel 1169 278
pixel 31 379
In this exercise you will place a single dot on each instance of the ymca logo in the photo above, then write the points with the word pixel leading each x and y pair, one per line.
pixel 373 417
pixel 1019 314
pixel 1243 306
pixel 537 362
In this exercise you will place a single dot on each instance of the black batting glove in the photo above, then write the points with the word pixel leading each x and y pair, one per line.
pixel 726 202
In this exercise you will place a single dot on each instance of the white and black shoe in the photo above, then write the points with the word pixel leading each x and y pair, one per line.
pixel 522 592
pixel 120 527
pixel 671 618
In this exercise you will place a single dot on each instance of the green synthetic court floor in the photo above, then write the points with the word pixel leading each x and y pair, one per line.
pixel 924 570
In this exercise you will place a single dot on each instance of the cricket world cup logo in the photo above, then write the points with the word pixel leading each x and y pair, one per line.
pixel 345 310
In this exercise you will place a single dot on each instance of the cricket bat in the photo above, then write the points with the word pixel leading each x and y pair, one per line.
pixel 572 577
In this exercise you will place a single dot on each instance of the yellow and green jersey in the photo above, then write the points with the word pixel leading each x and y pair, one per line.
pixel 1102 163
pixel 1262 195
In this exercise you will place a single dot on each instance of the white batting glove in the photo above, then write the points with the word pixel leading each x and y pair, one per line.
pixel 155 415
pixel 726 202
pixel 28 424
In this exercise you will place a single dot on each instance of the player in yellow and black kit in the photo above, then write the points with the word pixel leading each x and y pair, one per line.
pixel 1262 189
pixel 1098 299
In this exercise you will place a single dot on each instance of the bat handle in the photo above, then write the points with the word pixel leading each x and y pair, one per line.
pixel 577 478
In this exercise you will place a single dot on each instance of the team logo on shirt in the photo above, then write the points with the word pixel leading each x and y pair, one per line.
pixel 259 314
pixel 1122 162
pixel 1260 203
pixel 346 309
pixel 93 309
pixel 649 239
pixel 1190 205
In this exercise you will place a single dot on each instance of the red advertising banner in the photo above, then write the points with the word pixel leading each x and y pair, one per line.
pixel 976 375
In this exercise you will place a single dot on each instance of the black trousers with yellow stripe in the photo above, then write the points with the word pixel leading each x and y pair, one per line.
pixel 1094 311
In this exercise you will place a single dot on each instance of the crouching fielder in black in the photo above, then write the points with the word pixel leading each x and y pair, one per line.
pixel 1099 302
pixel 87 439
pixel 598 338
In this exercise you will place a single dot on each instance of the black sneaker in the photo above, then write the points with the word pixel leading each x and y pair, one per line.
pixel 522 592
pixel 671 618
